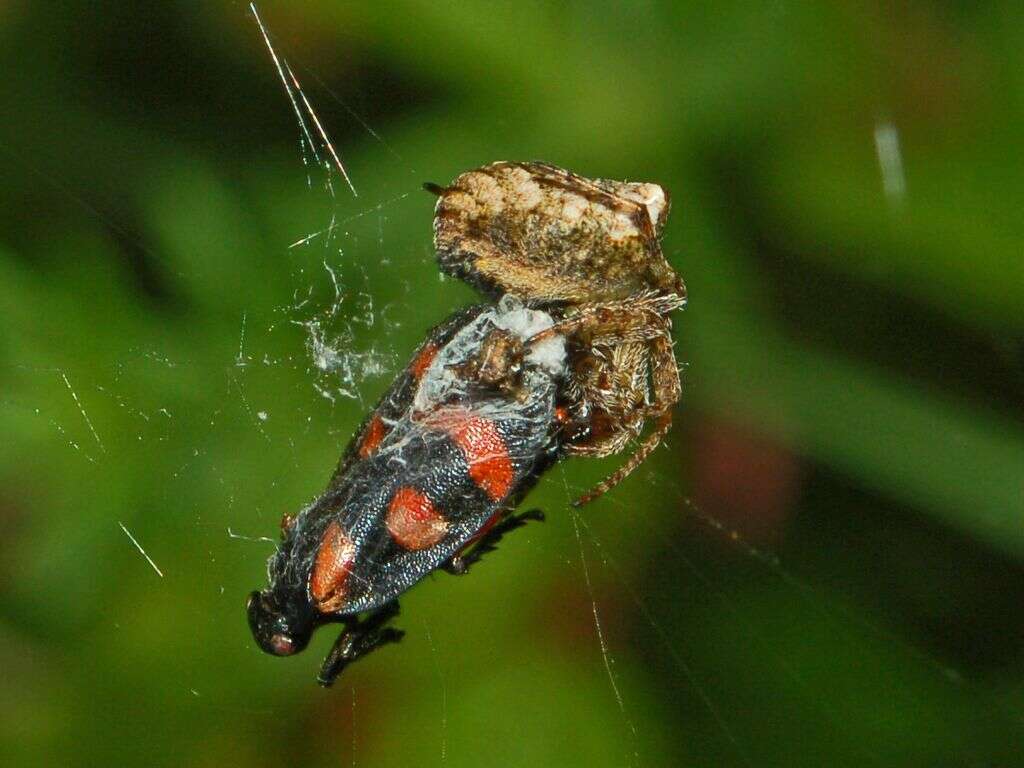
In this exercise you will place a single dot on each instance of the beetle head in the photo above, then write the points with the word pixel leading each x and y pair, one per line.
pixel 279 628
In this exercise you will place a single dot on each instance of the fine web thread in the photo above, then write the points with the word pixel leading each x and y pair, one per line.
pixel 680 663
pixel 444 692
pixel 605 653
pixel 292 87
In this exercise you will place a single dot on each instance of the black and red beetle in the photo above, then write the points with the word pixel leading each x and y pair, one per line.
pixel 450 449
pixel 576 357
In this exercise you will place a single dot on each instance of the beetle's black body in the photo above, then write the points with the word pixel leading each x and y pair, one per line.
pixel 447 452
pixel 493 396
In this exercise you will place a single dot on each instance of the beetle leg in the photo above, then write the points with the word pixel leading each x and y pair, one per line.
pixel 358 639
pixel 459 564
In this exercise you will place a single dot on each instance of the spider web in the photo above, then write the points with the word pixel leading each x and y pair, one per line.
pixel 338 343
pixel 340 371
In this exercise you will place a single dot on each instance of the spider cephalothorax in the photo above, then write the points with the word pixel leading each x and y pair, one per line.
pixel 588 251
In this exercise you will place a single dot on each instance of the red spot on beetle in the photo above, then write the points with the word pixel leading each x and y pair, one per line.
pixel 423 360
pixel 375 432
pixel 561 414
pixel 490 466
pixel 413 521
pixel 333 564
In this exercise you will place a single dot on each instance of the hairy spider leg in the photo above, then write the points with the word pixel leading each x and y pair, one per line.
pixel 645 449
pixel 639 318
pixel 620 322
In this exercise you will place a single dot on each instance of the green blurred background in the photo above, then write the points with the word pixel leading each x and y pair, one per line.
pixel 824 567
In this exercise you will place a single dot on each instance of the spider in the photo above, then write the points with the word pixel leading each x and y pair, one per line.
pixel 587 251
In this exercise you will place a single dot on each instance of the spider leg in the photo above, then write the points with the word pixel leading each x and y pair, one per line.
pixel 665 377
pixel 459 564
pixel 639 455
pixel 358 639
pixel 622 326
pixel 667 390
pixel 640 318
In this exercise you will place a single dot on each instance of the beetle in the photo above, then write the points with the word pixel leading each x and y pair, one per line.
pixel 574 357
pixel 426 483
